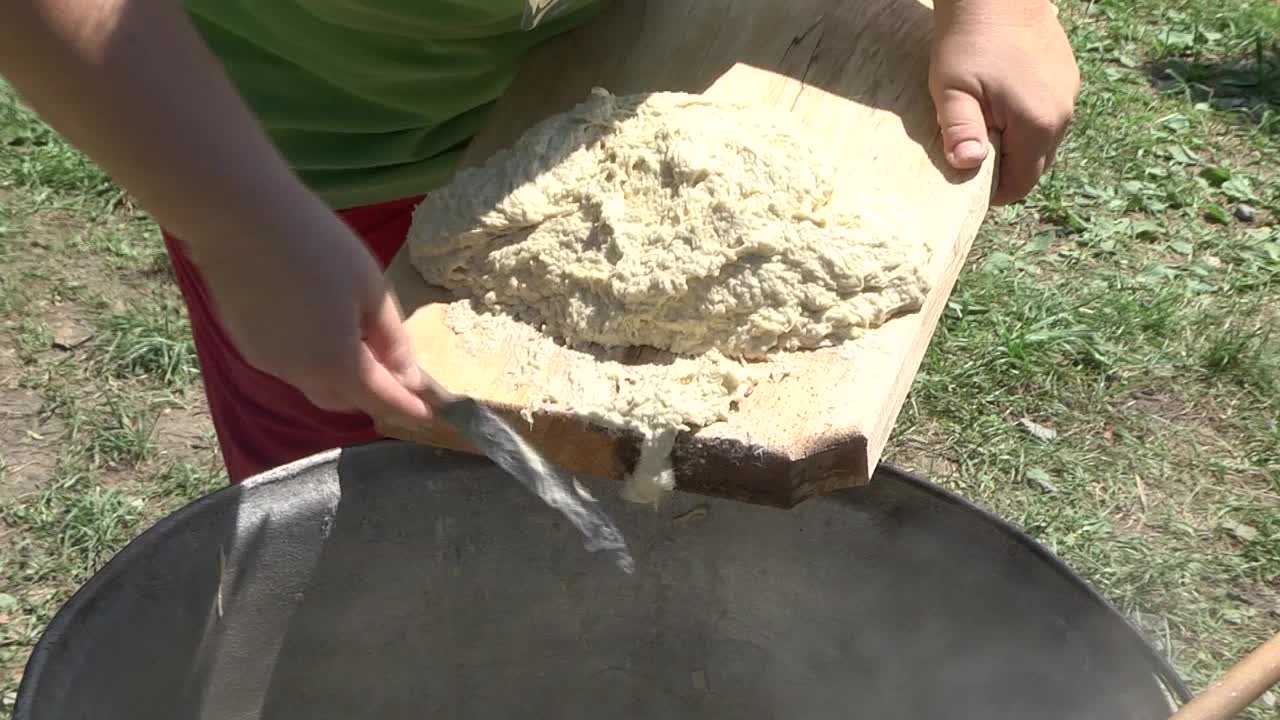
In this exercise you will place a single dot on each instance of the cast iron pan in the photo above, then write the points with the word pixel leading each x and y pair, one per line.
pixel 396 581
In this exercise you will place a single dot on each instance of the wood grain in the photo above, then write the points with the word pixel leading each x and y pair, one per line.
pixel 855 72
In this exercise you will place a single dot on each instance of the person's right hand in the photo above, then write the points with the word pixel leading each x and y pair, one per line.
pixel 310 305
pixel 296 290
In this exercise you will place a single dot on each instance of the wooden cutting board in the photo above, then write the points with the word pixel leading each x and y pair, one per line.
pixel 855 71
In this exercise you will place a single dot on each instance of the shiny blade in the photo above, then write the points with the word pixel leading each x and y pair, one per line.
pixel 501 444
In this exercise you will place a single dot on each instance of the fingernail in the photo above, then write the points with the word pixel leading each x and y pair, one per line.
pixel 968 151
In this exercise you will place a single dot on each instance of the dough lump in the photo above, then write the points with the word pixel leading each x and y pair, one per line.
pixel 667 220
pixel 711 231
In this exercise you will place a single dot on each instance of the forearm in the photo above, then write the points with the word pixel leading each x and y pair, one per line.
pixel 131 84
pixel 1029 11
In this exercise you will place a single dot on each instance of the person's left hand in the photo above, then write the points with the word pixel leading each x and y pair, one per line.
pixel 1004 65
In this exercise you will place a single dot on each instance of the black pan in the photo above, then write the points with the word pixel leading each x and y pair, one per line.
pixel 393 581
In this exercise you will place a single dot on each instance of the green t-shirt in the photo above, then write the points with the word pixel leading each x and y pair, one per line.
pixel 373 100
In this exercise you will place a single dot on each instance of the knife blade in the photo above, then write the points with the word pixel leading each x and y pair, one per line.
pixel 500 442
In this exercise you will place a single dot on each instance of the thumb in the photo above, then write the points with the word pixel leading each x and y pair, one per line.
pixel 964 128
pixel 386 338
pixel 391 379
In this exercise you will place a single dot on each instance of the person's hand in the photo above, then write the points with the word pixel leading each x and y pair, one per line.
pixel 299 294
pixel 309 305
pixel 1004 65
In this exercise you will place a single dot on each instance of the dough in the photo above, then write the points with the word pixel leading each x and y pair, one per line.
pixel 609 386
pixel 709 230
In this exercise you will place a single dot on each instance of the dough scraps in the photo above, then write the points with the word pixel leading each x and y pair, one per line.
pixel 711 230
pixel 656 397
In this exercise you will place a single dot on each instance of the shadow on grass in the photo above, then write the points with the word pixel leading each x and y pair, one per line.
pixel 1248 89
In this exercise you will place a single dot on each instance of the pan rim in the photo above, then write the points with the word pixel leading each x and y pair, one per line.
pixel 1174 685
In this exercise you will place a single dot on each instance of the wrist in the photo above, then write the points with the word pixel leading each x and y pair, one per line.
pixel 255 225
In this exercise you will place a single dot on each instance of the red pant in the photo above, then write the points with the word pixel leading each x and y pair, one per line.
pixel 261 421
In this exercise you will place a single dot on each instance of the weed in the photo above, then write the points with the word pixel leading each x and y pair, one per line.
pixel 182 480
pixel 33 337
pixel 151 337
pixel 86 522
pixel 112 434
pixel 44 166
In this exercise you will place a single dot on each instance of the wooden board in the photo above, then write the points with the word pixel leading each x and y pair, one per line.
pixel 855 71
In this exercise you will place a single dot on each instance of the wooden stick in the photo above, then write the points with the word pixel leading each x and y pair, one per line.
pixel 1242 684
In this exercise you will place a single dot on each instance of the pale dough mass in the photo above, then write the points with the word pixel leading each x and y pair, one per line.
pixel 713 231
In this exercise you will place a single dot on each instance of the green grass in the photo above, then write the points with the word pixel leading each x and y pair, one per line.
pixel 1125 306
pixel 49 172
pixel 33 337
pixel 72 247
pixel 85 523
pixel 117 433
pixel 152 339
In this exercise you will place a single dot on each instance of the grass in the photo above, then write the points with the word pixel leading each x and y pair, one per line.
pixel 48 171
pixel 151 339
pixel 1131 306
pixel 1128 307
pixel 75 251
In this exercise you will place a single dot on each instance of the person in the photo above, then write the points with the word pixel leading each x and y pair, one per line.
pixel 282 147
